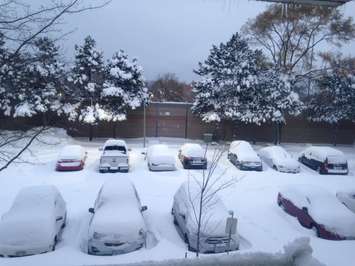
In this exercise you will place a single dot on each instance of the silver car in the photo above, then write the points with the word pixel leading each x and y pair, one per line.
pixel 114 157
pixel 34 223
pixel 117 225
pixel 213 236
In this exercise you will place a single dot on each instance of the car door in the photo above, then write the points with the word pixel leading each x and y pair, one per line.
pixel 59 213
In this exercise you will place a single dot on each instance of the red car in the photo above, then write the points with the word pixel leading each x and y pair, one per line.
pixel 319 210
pixel 71 158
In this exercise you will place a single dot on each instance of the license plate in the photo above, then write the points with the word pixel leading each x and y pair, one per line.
pixel 197 161
pixel 113 168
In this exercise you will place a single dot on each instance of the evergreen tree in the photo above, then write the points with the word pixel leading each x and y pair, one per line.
pixel 87 78
pixel 43 79
pixel 124 87
pixel 236 85
pixel 335 100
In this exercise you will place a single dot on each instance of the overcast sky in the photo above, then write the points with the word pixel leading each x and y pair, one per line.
pixel 165 35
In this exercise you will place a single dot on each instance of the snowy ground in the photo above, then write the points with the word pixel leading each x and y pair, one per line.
pixel 263 226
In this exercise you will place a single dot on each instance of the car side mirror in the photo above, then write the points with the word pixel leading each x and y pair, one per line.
pixel 144 208
pixel 92 210
pixel 183 216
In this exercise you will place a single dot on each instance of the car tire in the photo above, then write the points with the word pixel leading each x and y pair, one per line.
pixel 125 171
pixel 274 167
pixel 54 243
pixel 175 221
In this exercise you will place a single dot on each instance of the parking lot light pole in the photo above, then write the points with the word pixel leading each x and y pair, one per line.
pixel 144 125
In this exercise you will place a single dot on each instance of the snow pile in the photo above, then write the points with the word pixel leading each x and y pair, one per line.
pixel 297 253
pixel 192 150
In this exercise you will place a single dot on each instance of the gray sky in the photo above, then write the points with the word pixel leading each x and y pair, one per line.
pixel 165 35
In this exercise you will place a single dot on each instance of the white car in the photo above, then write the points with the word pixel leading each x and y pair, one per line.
pixel 193 156
pixel 214 238
pixel 325 160
pixel 243 156
pixel 347 198
pixel 117 225
pixel 34 223
pixel 114 157
pixel 71 158
pixel 279 159
pixel 160 158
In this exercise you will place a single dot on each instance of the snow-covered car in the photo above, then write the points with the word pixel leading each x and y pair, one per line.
pixel 347 198
pixel 117 225
pixel 279 159
pixel 319 210
pixel 243 156
pixel 325 160
pixel 214 238
pixel 114 157
pixel 160 158
pixel 71 158
pixel 34 223
pixel 193 156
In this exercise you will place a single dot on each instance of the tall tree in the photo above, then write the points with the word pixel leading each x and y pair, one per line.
pixel 334 101
pixel 168 88
pixel 236 85
pixel 292 36
pixel 124 87
pixel 87 82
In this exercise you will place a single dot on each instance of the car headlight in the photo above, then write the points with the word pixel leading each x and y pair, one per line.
pixel 98 235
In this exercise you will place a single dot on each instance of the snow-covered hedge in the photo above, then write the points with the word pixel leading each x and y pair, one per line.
pixel 297 253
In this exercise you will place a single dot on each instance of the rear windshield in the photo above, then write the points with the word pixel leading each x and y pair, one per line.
pixel 116 148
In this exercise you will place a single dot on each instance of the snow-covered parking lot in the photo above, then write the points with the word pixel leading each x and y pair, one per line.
pixel 263 226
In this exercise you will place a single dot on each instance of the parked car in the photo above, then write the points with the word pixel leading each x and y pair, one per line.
pixel 160 158
pixel 117 225
pixel 243 156
pixel 347 198
pixel 319 210
pixel 114 157
pixel 71 158
pixel 214 238
pixel 325 160
pixel 193 156
pixel 279 159
pixel 34 223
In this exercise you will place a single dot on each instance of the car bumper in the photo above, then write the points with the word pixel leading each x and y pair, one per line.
pixel 250 167
pixel 289 170
pixel 337 172
pixel 99 248
pixel 20 251
pixel 216 247
pixel 195 165
pixel 162 167
pixel 69 168
pixel 118 168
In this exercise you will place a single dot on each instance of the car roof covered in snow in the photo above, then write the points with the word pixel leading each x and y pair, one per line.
pixel 118 210
pixel 71 152
pixel 323 206
pixel 160 153
pixel 275 152
pixel 115 142
pixel 214 212
pixel 323 152
pixel 244 151
pixel 192 150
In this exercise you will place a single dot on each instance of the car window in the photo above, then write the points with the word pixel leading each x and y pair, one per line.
pixel 116 148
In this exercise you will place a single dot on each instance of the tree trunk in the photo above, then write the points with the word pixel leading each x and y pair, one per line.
pixel 90 132
pixel 44 119
pixel 335 134
pixel 277 133
pixel 114 129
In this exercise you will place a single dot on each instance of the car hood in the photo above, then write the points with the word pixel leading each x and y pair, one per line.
pixel 117 224
pixel 286 162
pixel 21 230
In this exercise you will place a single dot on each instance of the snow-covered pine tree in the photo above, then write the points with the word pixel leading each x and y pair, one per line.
pixel 335 100
pixel 236 85
pixel 124 87
pixel 44 75
pixel 227 76
pixel 87 78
